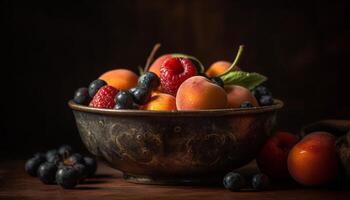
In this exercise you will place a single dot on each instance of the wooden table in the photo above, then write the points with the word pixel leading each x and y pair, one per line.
pixel 16 184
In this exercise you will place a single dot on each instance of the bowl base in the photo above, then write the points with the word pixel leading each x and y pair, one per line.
pixel 139 179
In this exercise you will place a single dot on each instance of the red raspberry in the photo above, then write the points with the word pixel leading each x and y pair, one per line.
pixel 104 98
pixel 175 71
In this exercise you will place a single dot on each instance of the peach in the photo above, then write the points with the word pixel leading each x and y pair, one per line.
pixel 161 101
pixel 314 161
pixel 217 68
pixel 121 79
pixel 197 93
pixel 236 95
pixel 155 67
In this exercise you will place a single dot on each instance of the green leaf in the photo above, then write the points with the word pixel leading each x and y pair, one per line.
pixel 141 71
pixel 245 79
pixel 195 61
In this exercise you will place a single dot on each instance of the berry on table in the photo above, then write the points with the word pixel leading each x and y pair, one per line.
pixel 91 166
pixel 40 156
pixel 32 165
pixel 260 181
pixel 124 100
pixel 65 151
pixel 175 71
pixel 141 95
pixel 47 172
pixel 95 86
pixel 149 80
pixel 233 181
pixel 218 81
pixel 51 153
pixel 104 98
pixel 246 104
pixel 82 169
pixel 81 96
pixel 67 177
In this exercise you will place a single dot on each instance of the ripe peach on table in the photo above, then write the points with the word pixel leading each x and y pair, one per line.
pixel 197 93
pixel 121 79
pixel 155 67
pixel 236 95
pixel 217 68
pixel 161 101
pixel 314 160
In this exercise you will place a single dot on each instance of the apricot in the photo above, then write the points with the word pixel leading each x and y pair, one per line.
pixel 236 95
pixel 161 101
pixel 121 79
pixel 217 68
pixel 197 93
pixel 155 67
pixel 314 161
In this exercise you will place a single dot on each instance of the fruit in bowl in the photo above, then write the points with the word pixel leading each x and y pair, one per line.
pixel 176 127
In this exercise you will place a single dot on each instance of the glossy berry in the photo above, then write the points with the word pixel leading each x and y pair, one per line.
pixel 91 166
pixel 141 95
pixel 260 181
pixel 82 169
pixel 81 96
pixel 233 181
pixel 260 91
pixel 266 100
pixel 246 104
pixel 54 159
pixel 75 159
pixel 149 80
pixel 95 86
pixel 67 177
pixel 124 100
pixel 65 151
pixel 132 90
pixel 32 165
pixel 173 72
pixel 51 153
pixel 47 172
pixel 218 81
pixel 104 98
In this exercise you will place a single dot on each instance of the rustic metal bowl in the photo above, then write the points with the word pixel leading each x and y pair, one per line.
pixel 175 147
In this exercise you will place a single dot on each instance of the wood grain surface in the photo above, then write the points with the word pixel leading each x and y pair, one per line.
pixel 108 184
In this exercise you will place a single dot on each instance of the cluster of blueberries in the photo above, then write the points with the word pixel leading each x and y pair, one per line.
pixel 61 166
pixel 234 181
pixel 263 95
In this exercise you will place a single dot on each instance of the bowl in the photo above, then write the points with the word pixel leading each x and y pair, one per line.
pixel 175 147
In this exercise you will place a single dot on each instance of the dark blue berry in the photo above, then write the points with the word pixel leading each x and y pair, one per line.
pixel 82 169
pixel 54 159
pixel 218 81
pixel 141 95
pixel 47 172
pixel 32 165
pixel 260 91
pixel 132 90
pixel 75 159
pixel 40 156
pixel 260 181
pixel 149 80
pixel 91 166
pixel 124 100
pixel 81 96
pixel 67 177
pixel 95 86
pixel 246 104
pixel 266 100
pixel 233 181
pixel 65 151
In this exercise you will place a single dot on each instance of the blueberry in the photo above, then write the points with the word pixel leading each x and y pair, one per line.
pixel 260 181
pixel 55 159
pixel 40 156
pixel 91 166
pixel 75 159
pixel 218 81
pixel 260 91
pixel 266 100
pixel 95 86
pixel 65 151
pixel 52 155
pixel 81 96
pixel 149 80
pixel 233 181
pixel 246 104
pixel 82 169
pixel 47 172
pixel 67 177
pixel 124 100
pixel 141 95
pixel 132 90
pixel 32 165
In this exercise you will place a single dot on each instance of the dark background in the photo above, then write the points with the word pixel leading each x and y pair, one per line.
pixel 54 47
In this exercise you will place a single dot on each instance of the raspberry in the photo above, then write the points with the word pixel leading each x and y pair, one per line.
pixel 175 71
pixel 104 98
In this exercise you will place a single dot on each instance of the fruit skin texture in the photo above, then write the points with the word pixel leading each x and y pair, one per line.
pixel 32 165
pixel 260 182
pixel 121 79
pixel 198 93
pixel 161 101
pixel 124 100
pixel 67 177
pixel 236 95
pixel 95 86
pixel 155 67
pixel 314 160
pixel 149 80
pixel 233 181
pixel 141 95
pixel 173 72
pixel 217 68
pixel 104 98
pixel 47 172
pixel 81 96
pixel 272 159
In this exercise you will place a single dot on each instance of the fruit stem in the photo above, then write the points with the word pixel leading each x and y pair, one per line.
pixel 233 66
pixel 151 56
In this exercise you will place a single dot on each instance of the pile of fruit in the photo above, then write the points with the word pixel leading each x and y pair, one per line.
pixel 177 82
pixel 62 167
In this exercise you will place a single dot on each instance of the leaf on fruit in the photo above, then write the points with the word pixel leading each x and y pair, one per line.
pixel 245 79
pixel 195 61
